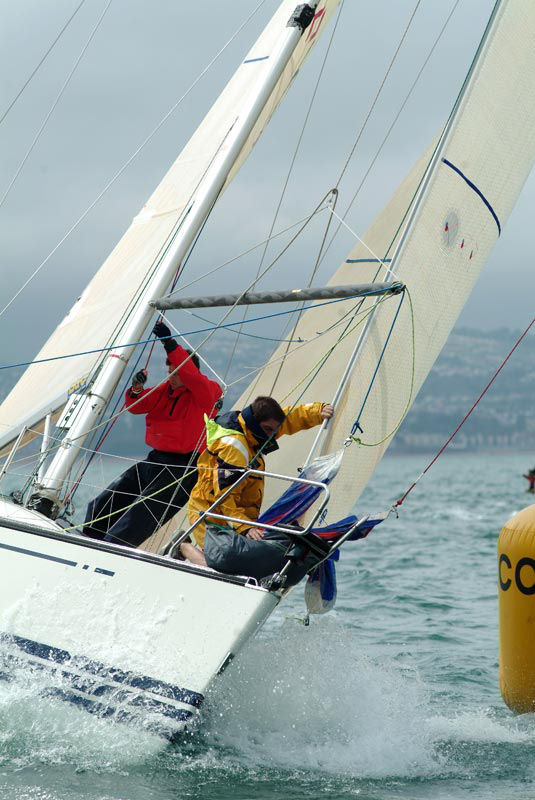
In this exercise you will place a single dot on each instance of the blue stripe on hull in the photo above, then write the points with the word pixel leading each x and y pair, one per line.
pixel 114 674
pixel 107 712
pixel 94 695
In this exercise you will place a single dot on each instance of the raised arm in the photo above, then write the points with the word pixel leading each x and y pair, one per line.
pixel 303 417
pixel 205 391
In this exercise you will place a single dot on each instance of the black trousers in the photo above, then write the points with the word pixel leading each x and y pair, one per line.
pixel 145 478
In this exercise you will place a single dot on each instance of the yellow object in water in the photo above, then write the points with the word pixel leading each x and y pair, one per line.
pixel 516 577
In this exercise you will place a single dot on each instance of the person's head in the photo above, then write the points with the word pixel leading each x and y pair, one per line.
pixel 268 414
pixel 174 380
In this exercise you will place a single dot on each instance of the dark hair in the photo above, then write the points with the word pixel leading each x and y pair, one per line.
pixel 194 358
pixel 265 408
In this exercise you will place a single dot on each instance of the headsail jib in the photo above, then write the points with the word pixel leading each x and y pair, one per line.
pixel 465 188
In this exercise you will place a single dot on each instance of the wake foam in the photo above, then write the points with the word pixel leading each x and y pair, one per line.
pixel 308 698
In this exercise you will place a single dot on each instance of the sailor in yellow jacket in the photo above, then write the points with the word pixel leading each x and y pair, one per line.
pixel 234 442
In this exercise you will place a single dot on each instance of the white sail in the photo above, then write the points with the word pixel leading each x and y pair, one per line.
pixel 476 174
pixel 98 316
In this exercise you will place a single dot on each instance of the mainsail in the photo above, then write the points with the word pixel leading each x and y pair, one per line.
pixel 468 186
pixel 98 317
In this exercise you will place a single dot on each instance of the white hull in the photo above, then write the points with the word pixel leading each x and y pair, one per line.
pixel 122 632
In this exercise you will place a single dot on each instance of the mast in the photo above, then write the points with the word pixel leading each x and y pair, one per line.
pixel 94 402
pixel 318 447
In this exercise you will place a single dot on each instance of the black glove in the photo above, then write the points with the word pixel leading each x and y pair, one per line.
pixel 137 382
pixel 140 377
pixel 160 330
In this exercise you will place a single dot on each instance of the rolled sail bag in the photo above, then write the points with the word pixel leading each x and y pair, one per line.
pixel 234 554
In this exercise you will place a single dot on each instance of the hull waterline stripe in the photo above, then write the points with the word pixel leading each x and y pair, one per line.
pixel 64 561
pixel 252 60
pixel 57 656
pixel 86 692
pixel 119 715
pixel 476 190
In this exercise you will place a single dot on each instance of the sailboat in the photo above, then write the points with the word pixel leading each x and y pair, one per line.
pixel 137 635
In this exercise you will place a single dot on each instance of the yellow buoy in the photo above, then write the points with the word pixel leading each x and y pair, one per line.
pixel 516 577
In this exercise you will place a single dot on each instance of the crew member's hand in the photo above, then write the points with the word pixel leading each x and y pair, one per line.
pixel 255 533
pixel 161 330
pixel 327 411
pixel 139 379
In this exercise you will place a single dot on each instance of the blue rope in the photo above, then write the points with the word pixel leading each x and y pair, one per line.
pixel 356 425
pixel 191 333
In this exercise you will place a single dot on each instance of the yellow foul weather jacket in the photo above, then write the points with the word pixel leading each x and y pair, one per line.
pixel 231 447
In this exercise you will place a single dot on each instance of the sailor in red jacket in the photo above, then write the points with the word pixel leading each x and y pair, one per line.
pixel 176 431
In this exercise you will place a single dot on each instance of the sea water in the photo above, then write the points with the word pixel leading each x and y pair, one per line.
pixel 395 694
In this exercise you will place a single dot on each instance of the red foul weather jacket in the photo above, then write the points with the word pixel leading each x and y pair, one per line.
pixel 175 417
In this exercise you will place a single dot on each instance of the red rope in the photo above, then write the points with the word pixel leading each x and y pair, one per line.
pixel 459 426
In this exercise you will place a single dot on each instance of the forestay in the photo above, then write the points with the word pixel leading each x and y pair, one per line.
pixel 474 178
pixel 96 319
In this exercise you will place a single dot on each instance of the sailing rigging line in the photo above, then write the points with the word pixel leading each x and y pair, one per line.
pixel 210 272
pixel 467 415
pixel 383 262
pixel 56 101
pixel 394 122
pixel 346 332
pixel 131 158
pixel 302 343
pixel 332 204
pixel 106 431
pixel 290 170
pixel 211 330
pixel 378 93
pixel 243 333
pixel 115 416
pixel 356 424
pixel 21 90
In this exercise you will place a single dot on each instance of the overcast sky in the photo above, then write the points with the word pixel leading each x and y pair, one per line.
pixel 142 58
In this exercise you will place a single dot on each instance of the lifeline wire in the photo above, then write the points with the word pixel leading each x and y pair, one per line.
pixel 459 426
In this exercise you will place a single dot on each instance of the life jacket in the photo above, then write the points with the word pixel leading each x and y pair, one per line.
pixel 231 448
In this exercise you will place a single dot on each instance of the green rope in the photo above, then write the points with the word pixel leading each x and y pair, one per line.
pixel 357 439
